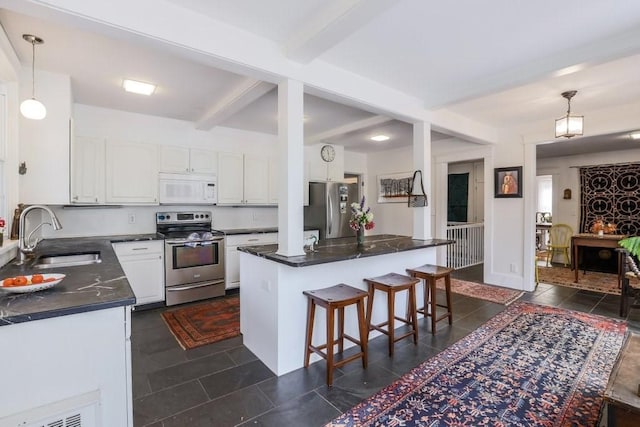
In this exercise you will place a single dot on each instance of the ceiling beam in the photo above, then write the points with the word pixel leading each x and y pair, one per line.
pixel 350 127
pixel 238 97
pixel 332 25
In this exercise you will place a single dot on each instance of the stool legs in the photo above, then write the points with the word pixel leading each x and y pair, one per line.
pixel 411 316
pixel 311 314
pixel 330 342
pixel 333 299
pixel 430 274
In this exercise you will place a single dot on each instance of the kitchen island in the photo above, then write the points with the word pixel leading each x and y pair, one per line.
pixel 274 310
pixel 67 350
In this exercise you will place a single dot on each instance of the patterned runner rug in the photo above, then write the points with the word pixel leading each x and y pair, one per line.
pixel 530 365
pixel 205 323
pixel 592 281
pixel 486 292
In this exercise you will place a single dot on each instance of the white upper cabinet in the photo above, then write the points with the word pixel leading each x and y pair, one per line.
pixel 88 170
pixel 273 181
pixel 132 173
pixel 327 165
pixel 243 179
pixel 256 180
pixel 230 178
pixel 44 146
pixel 188 160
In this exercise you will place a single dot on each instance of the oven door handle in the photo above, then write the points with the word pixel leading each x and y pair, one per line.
pixel 199 285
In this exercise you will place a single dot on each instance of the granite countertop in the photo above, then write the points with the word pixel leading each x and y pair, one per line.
pixel 231 231
pixel 332 250
pixel 85 288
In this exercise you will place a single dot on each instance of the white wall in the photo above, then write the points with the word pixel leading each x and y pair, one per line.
pixel 390 218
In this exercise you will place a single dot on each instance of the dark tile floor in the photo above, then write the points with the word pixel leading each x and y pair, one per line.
pixel 224 384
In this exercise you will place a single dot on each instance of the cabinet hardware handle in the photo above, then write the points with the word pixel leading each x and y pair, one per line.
pixel 75 197
pixel 253 240
pixel 140 249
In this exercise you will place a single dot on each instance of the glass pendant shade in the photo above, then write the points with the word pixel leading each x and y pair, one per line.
pixel 569 126
pixel 33 109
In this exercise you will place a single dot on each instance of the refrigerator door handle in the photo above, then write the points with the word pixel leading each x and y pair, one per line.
pixel 330 203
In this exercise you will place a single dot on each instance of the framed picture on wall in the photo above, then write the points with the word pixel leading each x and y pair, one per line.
pixel 508 182
pixel 394 188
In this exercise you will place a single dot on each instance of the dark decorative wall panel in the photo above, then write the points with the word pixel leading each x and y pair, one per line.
pixel 611 193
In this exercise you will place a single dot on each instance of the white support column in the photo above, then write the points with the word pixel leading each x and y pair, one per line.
pixel 291 176
pixel 422 161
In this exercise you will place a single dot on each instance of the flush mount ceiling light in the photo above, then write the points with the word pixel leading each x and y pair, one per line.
pixel 32 108
pixel 569 126
pixel 379 138
pixel 140 88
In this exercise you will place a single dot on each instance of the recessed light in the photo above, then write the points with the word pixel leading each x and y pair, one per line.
pixel 379 138
pixel 138 87
pixel 635 135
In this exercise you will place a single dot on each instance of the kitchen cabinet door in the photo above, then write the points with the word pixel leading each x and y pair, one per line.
pixel 256 180
pixel 88 171
pixel 230 178
pixel 273 181
pixel 203 161
pixel 132 173
pixel 321 171
pixel 174 159
pixel 143 264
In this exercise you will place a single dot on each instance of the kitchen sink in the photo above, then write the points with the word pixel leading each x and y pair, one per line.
pixel 67 260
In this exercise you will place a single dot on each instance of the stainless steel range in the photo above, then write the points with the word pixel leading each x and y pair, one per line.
pixel 194 256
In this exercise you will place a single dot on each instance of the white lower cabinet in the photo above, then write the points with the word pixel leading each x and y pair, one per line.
pixel 143 264
pixel 232 256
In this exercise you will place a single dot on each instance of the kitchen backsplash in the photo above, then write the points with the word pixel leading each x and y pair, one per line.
pixel 106 221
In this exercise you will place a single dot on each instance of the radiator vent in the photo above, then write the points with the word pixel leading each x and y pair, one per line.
pixel 74 420
pixel 78 411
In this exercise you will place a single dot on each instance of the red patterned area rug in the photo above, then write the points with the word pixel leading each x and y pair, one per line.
pixel 530 365
pixel 486 292
pixel 591 281
pixel 205 323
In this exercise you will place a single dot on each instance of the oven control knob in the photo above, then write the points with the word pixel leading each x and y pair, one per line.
pixel 168 216
pixel 160 217
pixel 206 216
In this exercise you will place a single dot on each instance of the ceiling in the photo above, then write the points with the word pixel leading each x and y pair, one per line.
pixel 461 62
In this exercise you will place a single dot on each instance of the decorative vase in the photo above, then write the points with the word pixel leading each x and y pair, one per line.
pixel 360 237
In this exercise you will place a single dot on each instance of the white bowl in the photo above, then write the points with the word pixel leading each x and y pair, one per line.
pixel 37 287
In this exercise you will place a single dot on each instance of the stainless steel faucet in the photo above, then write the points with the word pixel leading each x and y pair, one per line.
pixel 24 246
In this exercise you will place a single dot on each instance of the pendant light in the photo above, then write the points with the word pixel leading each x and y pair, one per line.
pixel 569 126
pixel 32 108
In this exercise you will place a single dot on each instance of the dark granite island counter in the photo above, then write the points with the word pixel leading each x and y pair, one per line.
pixel 273 315
pixel 69 345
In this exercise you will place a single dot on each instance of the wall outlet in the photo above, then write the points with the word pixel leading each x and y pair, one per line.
pixel 132 218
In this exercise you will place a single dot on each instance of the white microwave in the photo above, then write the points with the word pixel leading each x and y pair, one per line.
pixel 187 189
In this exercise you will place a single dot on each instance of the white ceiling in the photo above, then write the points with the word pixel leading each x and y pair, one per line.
pixel 498 63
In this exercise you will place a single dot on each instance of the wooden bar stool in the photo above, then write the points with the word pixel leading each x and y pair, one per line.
pixel 332 298
pixel 392 283
pixel 431 274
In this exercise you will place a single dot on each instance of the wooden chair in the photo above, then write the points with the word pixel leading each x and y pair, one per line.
pixel 630 285
pixel 559 242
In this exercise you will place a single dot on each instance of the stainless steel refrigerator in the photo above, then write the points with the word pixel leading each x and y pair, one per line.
pixel 329 208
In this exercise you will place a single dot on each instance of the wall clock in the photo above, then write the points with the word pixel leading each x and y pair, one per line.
pixel 328 153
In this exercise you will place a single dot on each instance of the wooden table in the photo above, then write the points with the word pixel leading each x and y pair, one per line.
pixel 594 241
pixel 621 394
